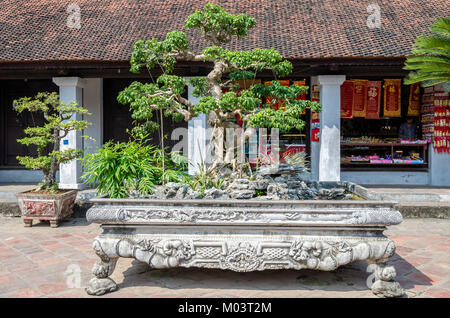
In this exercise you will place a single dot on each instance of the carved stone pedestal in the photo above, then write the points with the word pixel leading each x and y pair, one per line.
pixel 385 286
pixel 244 236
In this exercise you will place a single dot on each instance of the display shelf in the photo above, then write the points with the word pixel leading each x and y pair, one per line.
pixel 359 148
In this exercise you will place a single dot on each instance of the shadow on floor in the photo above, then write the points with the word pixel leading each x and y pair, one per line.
pixel 349 278
pixel 67 223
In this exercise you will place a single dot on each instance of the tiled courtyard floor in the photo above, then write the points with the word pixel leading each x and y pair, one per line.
pixel 35 262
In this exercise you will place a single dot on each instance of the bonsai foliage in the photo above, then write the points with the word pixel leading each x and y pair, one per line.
pixel 119 169
pixel 57 125
pixel 165 94
pixel 430 59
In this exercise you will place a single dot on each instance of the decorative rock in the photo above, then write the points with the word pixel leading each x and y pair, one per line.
pixel 280 179
pixel 242 194
pixel 170 193
pixel 277 191
pixel 306 194
pixel 100 286
pixel 182 192
pixel 331 194
pixel 387 289
pixel 192 194
pixel 260 184
pixel 240 184
pixel 214 193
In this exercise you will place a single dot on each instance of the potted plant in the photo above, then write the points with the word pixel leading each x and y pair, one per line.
pixel 47 201
pixel 179 227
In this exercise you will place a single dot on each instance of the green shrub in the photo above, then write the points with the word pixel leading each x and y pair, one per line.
pixel 117 168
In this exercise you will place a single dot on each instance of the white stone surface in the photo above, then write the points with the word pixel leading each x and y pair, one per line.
pixel 71 90
pixel 330 121
pixel 198 138
pixel 243 236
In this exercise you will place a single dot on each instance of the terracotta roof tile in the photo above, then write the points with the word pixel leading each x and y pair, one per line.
pixel 37 30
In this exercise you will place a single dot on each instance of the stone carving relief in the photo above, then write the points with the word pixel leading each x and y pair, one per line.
pixel 37 208
pixel 239 256
pixel 218 214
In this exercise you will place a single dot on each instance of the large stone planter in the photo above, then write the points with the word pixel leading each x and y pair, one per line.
pixel 46 206
pixel 243 236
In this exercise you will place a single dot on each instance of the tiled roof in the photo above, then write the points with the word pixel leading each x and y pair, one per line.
pixel 37 29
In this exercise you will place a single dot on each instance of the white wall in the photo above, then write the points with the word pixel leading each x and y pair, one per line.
pixel 439 168
pixel 198 139
pixel 330 127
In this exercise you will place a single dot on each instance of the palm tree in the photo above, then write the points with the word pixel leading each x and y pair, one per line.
pixel 430 59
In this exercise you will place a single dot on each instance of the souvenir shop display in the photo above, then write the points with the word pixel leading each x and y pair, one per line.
pixel 370 133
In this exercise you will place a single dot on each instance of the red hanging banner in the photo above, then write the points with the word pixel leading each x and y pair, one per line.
pixel 359 98
pixel 373 99
pixel 347 89
pixel 414 100
pixel 392 97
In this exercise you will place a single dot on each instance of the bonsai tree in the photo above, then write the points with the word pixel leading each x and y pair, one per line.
pixel 58 124
pixel 430 59
pixel 164 95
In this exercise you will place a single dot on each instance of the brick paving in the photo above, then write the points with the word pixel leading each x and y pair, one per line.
pixel 38 262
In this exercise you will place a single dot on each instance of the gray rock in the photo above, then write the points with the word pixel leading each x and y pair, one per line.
pixel 217 194
pixel 306 194
pixel 278 191
pixel 170 193
pixel 158 193
pixel 242 194
pixel 100 286
pixel 331 194
pixel 260 184
pixel 295 184
pixel 387 289
pixel 280 179
pixel 182 192
pixel 240 184
pixel 192 194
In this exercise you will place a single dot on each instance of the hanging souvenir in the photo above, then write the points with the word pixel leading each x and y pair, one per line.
pixel 359 98
pixel 414 100
pixel 373 99
pixel 392 97
pixel 347 89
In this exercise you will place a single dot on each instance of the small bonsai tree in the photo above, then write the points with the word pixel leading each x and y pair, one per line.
pixel 250 104
pixel 57 125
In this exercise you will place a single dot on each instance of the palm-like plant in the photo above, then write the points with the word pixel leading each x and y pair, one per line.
pixel 430 59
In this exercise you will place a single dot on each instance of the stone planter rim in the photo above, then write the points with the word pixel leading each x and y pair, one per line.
pixel 48 195
pixel 231 202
